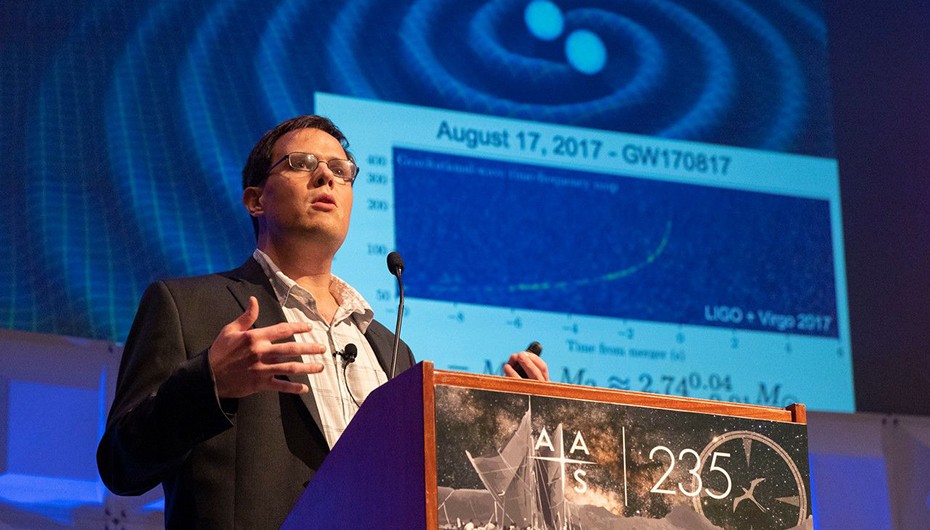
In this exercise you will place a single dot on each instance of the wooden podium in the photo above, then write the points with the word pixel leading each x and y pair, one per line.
pixel 435 449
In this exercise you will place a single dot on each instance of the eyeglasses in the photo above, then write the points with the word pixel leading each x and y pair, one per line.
pixel 344 170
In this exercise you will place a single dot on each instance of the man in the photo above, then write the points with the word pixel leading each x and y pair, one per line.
pixel 229 393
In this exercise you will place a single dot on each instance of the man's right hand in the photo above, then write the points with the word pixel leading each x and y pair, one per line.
pixel 245 360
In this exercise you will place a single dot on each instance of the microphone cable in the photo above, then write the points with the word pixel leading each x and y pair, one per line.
pixel 348 357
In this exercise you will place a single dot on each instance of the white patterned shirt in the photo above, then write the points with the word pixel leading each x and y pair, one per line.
pixel 339 389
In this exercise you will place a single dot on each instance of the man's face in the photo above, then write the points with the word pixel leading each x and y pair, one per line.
pixel 299 204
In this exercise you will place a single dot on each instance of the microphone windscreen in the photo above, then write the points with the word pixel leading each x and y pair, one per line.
pixel 395 263
pixel 350 353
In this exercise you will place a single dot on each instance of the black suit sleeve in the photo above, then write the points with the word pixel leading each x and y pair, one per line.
pixel 165 401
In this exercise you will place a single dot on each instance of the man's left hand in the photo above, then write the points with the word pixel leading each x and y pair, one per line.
pixel 533 366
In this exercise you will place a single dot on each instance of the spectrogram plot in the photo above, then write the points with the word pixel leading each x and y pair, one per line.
pixel 538 237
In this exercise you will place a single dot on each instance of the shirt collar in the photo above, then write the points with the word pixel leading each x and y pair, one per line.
pixel 350 301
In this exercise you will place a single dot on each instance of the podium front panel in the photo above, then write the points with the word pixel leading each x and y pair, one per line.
pixel 518 460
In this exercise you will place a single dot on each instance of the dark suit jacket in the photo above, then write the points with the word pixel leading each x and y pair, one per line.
pixel 231 463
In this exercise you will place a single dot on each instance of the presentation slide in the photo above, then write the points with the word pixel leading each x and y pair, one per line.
pixel 639 263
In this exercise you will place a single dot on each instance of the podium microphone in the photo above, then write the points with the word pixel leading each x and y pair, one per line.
pixel 395 265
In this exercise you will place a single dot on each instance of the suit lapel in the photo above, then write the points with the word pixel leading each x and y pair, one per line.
pixel 250 280
pixel 381 343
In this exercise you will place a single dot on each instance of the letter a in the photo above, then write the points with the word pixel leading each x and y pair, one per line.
pixel 579 444
pixel 444 131
pixel 544 441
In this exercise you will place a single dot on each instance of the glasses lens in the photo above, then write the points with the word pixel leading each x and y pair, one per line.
pixel 343 169
pixel 302 161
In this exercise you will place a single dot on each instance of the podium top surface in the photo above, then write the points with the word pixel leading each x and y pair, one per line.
pixel 794 413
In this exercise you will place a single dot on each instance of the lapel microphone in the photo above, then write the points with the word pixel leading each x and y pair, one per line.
pixel 348 354
pixel 395 265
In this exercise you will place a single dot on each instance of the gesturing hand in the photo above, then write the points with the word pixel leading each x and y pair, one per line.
pixel 245 361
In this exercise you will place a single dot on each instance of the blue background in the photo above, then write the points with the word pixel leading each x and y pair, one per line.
pixel 126 124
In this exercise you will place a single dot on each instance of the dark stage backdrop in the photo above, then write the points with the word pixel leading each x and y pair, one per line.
pixel 881 80
pixel 648 188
